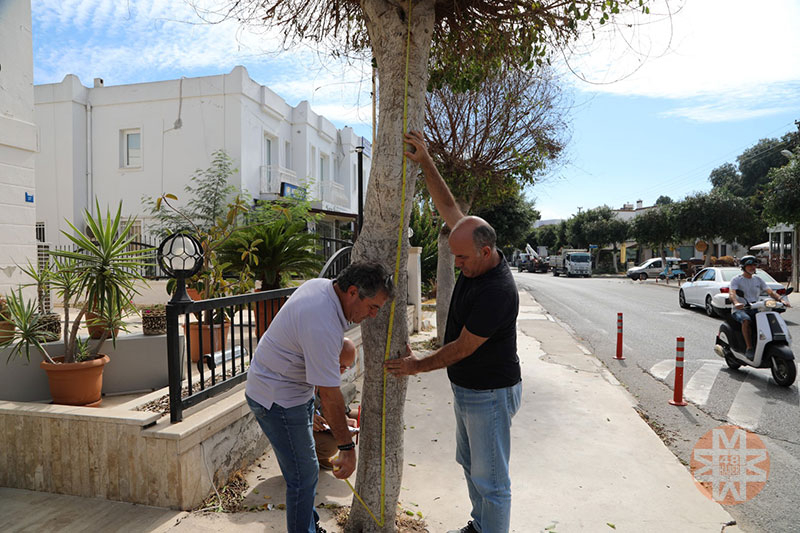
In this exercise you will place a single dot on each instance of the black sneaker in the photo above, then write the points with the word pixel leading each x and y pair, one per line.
pixel 320 529
pixel 750 353
pixel 469 528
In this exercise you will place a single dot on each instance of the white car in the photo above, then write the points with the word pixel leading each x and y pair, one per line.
pixel 710 289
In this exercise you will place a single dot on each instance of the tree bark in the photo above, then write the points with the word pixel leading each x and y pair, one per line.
pixel 387 25
pixel 445 282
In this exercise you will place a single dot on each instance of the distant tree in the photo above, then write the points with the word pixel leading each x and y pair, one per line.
pixel 709 216
pixel 782 203
pixel 663 200
pixel 512 219
pixel 598 226
pixel 562 232
pixel 546 236
pixel 726 179
pixel 655 228
pixel 489 142
pixel 425 225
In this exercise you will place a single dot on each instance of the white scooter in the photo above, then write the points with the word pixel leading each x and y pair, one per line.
pixel 772 341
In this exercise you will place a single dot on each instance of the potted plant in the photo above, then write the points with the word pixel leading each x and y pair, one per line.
pixel 212 214
pixel 102 271
pixel 154 319
pixel 6 327
pixel 271 252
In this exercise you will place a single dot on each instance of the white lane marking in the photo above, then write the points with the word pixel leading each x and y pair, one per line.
pixel 699 386
pixel 662 369
pixel 747 405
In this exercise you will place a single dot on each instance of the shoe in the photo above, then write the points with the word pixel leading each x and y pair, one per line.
pixel 469 528
pixel 320 529
pixel 750 353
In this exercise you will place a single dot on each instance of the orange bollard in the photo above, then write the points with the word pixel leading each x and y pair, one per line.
pixel 619 337
pixel 677 398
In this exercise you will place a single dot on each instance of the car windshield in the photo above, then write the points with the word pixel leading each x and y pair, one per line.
pixel 580 258
pixel 729 273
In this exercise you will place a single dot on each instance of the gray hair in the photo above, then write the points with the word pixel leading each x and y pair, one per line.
pixel 368 277
pixel 484 235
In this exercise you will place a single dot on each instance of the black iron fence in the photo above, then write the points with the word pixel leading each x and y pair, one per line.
pixel 220 335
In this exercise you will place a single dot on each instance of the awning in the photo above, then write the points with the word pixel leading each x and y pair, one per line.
pixel 762 246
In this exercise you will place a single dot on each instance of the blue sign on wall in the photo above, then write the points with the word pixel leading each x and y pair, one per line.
pixel 292 191
pixel 29 197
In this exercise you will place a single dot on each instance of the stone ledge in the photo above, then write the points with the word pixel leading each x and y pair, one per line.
pixel 69 412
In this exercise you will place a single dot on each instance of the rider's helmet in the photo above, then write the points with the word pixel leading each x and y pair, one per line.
pixel 747 260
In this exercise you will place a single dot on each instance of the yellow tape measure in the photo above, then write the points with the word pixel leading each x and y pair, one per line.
pixel 396 277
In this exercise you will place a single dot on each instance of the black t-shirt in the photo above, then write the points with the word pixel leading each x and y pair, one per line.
pixel 487 306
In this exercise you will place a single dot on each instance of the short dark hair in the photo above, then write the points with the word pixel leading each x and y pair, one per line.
pixel 484 235
pixel 368 277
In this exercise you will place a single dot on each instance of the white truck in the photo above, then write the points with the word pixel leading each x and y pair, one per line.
pixel 572 262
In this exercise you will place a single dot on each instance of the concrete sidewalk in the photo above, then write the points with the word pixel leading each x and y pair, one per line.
pixel 582 460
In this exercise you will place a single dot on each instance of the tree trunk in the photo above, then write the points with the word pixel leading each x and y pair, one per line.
pixel 387 25
pixel 445 282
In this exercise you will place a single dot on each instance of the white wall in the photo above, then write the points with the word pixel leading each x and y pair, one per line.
pixel 18 143
pixel 229 111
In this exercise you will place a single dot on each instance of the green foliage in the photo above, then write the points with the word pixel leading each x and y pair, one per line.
pixel 512 219
pixel 715 215
pixel 782 202
pixel 426 225
pixel 212 214
pixel 28 331
pixel 655 228
pixel 272 251
pixel 663 200
pixel 209 193
pixel 596 226
pixel 545 236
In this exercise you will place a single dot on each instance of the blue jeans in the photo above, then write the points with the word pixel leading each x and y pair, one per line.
pixel 483 449
pixel 290 431
pixel 740 315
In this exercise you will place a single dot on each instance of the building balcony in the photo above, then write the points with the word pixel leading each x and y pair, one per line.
pixel 272 176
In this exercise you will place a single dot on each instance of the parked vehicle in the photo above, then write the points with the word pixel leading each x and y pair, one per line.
pixel 771 341
pixel 572 263
pixel 710 289
pixel 651 268
pixel 522 261
pixel 672 271
pixel 538 264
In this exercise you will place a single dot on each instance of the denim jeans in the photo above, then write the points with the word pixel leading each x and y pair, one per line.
pixel 290 433
pixel 483 449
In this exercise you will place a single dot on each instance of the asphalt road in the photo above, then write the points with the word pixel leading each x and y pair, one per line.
pixel 652 320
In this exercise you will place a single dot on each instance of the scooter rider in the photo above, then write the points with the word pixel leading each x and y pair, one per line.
pixel 752 287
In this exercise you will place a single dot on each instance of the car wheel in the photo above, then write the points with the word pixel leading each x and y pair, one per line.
pixel 682 300
pixel 710 311
pixel 643 276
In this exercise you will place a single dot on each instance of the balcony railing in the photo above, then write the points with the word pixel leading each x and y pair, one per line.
pixel 272 176
pixel 334 193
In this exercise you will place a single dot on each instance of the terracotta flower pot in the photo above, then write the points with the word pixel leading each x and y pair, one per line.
pixel 96 328
pixel 76 383
pixel 265 312
pixel 6 330
pixel 193 335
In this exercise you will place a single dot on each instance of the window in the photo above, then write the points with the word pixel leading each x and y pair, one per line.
pixel 131 148
pixel 40 232
pixel 267 151
pixel 287 162
pixel 323 167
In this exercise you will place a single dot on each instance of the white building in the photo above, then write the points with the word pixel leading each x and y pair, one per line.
pixel 18 144
pixel 128 141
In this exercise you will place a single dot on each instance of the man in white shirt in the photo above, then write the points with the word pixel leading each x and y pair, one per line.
pixel 752 287
pixel 300 351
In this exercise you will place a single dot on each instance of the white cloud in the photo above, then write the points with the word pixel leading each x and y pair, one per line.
pixel 744 54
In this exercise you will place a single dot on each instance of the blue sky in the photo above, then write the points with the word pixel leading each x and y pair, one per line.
pixel 665 103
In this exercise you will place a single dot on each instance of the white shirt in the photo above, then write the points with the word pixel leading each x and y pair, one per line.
pixel 300 349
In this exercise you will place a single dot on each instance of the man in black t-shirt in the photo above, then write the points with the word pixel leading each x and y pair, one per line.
pixel 480 354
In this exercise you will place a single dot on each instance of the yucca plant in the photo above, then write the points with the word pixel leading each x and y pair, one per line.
pixel 102 274
pixel 28 332
pixel 107 271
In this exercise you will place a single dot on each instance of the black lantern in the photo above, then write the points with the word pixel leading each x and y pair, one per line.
pixel 181 257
